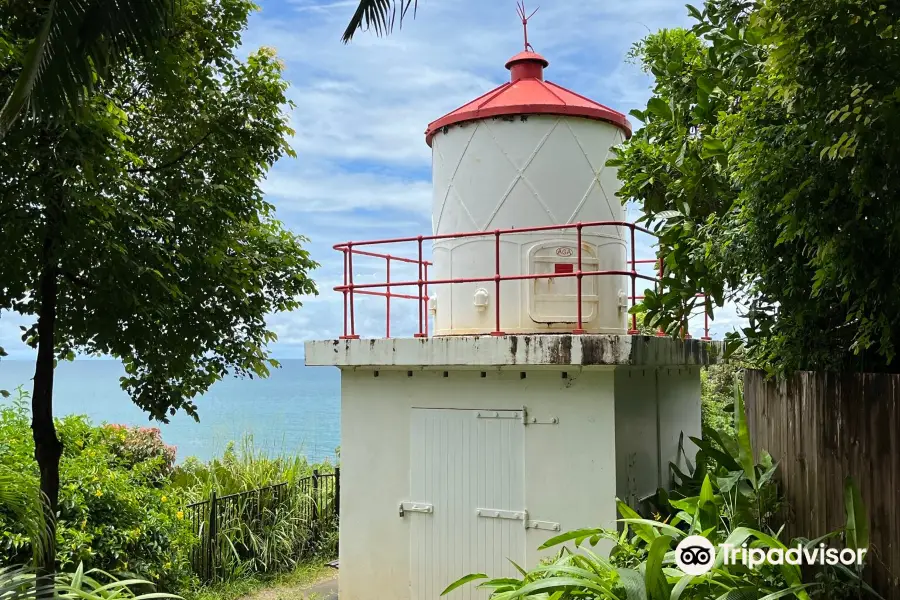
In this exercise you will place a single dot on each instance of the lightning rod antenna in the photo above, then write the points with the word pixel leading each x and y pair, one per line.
pixel 520 9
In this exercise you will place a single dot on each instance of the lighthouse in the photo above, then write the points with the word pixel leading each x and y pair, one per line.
pixel 526 402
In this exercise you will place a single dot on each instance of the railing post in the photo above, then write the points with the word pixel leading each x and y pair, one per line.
pixel 211 535
pixel 497 331
pixel 315 504
pixel 352 335
pixel 579 275
pixel 660 332
pixel 634 328
pixel 421 332
pixel 343 337
pixel 388 326
pixel 425 308
pixel 337 491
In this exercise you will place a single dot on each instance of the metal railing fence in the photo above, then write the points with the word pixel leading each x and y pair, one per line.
pixel 235 530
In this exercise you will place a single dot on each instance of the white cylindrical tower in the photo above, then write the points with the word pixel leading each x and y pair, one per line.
pixel 527 154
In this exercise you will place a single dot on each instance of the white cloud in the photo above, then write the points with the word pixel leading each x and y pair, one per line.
pixel 295 186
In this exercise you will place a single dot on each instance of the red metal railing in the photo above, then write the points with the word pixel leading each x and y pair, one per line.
pixel 350 289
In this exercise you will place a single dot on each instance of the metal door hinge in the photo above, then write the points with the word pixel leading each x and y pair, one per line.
pixel 547 525
pixel 420 507
pixel 498 414
pixel 529 420
pixel 516 515
pixel 493 513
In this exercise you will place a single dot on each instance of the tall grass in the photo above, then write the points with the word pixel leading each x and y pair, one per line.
pixel 242 467
pixel 260 528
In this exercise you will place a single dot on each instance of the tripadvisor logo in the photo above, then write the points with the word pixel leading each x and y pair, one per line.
pixel 695 555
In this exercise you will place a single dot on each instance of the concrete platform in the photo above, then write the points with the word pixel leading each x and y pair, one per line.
pixel 588 350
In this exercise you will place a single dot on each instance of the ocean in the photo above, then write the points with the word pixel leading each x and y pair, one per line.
pixel 295 410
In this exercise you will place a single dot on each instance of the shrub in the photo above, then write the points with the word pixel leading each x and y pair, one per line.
pixel 116 513
pixel 136 445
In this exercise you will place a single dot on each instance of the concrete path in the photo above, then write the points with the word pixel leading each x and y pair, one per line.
pixel 323 589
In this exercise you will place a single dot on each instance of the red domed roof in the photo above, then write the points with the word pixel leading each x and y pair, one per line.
pixel 528 94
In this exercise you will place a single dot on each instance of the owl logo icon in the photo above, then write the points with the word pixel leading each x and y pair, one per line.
pixel 695 555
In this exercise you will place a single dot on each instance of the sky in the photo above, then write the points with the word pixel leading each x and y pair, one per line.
pixel 363 169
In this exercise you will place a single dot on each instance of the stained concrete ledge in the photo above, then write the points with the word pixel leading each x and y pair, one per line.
pixel 537 349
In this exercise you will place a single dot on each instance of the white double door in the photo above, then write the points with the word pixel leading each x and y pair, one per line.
pixel 467 503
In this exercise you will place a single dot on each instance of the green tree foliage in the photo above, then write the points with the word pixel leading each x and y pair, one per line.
pixel 76 45
pixel 136 227
pixel 769 161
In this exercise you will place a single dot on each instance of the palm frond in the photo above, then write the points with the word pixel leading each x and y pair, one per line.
pixel 19 582
pixel 380 15
pixel 21 496
pixel 79 41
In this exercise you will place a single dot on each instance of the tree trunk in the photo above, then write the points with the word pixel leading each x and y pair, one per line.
pixel 47 447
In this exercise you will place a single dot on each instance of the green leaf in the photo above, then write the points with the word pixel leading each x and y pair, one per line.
pixel 654 577
pixel 633 583
pixel 463 581
pixel 680 586
pixel 706 84
pixel 660 108
pixel 857 527
pixel 767 475
pixel 522 571
pixel 556 583
pixel 677 533
pixel 644 532
pixel 712 147
pixel 707 495
pixel 745 448
pixel 578 535
pixel 727 483
pixel 794 590
pixel 721 458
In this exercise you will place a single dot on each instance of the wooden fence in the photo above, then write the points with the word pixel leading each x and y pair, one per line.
pixel 822 427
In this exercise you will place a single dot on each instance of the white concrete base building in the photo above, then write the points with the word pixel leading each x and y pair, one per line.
pixel 459 454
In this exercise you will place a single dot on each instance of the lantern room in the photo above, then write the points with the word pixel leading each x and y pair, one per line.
pixel 522 160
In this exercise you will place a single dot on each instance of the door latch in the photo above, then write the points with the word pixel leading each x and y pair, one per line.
pixel 421 507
